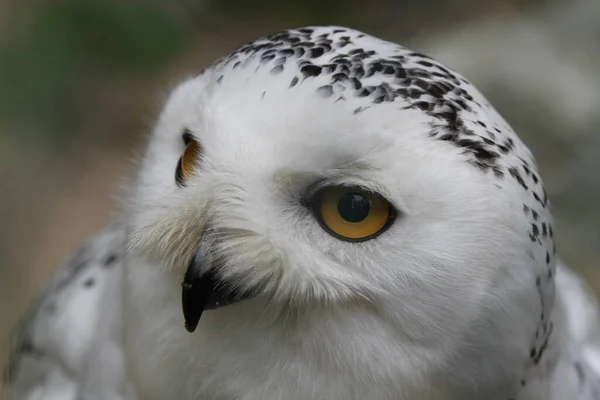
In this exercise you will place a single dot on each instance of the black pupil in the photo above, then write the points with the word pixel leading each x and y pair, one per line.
pixel 354 207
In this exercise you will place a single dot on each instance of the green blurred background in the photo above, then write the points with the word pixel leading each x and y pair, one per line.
pixel 81 83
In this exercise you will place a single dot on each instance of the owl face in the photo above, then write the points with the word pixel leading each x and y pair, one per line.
pixel 344 195
pixel 291 197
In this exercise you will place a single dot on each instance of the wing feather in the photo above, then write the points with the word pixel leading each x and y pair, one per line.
pixel 72 329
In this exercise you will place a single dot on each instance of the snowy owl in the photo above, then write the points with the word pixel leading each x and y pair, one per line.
pixel 320 215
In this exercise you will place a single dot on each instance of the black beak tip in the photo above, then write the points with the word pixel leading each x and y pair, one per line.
pixel 191 311
pixel 195 291
pixel 191 326
pixel 200 291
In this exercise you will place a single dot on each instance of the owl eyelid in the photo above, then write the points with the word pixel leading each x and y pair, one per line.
pixel 187 136
pixel 179 179
pixel 315 191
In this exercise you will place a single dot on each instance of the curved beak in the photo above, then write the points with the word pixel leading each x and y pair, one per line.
pixel 202 289
pixel 196 289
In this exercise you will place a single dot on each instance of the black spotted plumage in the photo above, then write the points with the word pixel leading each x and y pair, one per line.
pixel 343 64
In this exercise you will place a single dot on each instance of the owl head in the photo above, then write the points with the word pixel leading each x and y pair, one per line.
pixel 320 175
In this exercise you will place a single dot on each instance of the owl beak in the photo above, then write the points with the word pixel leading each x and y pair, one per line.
pixel 196 288
pixel 201 290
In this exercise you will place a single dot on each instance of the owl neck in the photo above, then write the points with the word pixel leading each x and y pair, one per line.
pixel 340 353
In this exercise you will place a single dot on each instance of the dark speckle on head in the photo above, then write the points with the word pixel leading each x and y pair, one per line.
pixel 277 69
pixel 311 70
pixel 326 90
pixel 89 282
pixel 110 260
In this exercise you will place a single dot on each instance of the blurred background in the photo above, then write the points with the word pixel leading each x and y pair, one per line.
pixel 81 82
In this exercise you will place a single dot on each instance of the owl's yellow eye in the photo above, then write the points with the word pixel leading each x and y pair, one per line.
pixel 353 214
pixel 189 160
